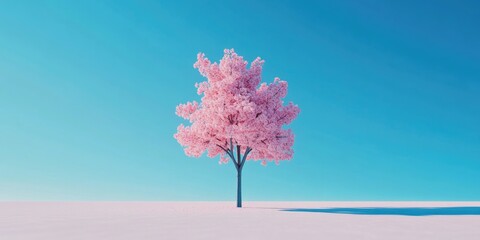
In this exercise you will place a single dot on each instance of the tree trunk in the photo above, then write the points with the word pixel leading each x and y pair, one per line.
pixel 239 188
pixel 239 162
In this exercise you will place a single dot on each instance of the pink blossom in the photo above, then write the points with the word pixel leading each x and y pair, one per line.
pixel 236 110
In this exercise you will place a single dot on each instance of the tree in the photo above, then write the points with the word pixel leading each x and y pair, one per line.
pixel 237 118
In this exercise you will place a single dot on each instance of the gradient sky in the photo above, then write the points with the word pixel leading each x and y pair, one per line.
pixel 389 93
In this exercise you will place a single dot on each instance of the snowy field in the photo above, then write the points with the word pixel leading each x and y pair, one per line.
pixel 257 220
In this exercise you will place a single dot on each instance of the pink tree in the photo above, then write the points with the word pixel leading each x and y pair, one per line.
pixel 237 118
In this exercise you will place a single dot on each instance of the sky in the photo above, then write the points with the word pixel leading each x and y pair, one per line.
pixel 389 93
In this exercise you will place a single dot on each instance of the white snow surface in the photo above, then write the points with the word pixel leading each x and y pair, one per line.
pixel 222 220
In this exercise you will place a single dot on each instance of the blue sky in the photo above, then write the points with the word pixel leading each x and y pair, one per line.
pixel 389 92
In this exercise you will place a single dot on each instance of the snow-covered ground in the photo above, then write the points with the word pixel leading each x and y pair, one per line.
pixel 257 220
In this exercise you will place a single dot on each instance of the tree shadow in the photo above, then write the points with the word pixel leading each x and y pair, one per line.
pixel 408 211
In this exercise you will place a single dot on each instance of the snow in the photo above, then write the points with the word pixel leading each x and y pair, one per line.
pixel 222 220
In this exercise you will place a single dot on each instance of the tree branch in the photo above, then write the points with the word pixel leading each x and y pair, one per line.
pixel 282 117
pixel 223 149
pixel 229 153
pixel 239 155
pixel 247 151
